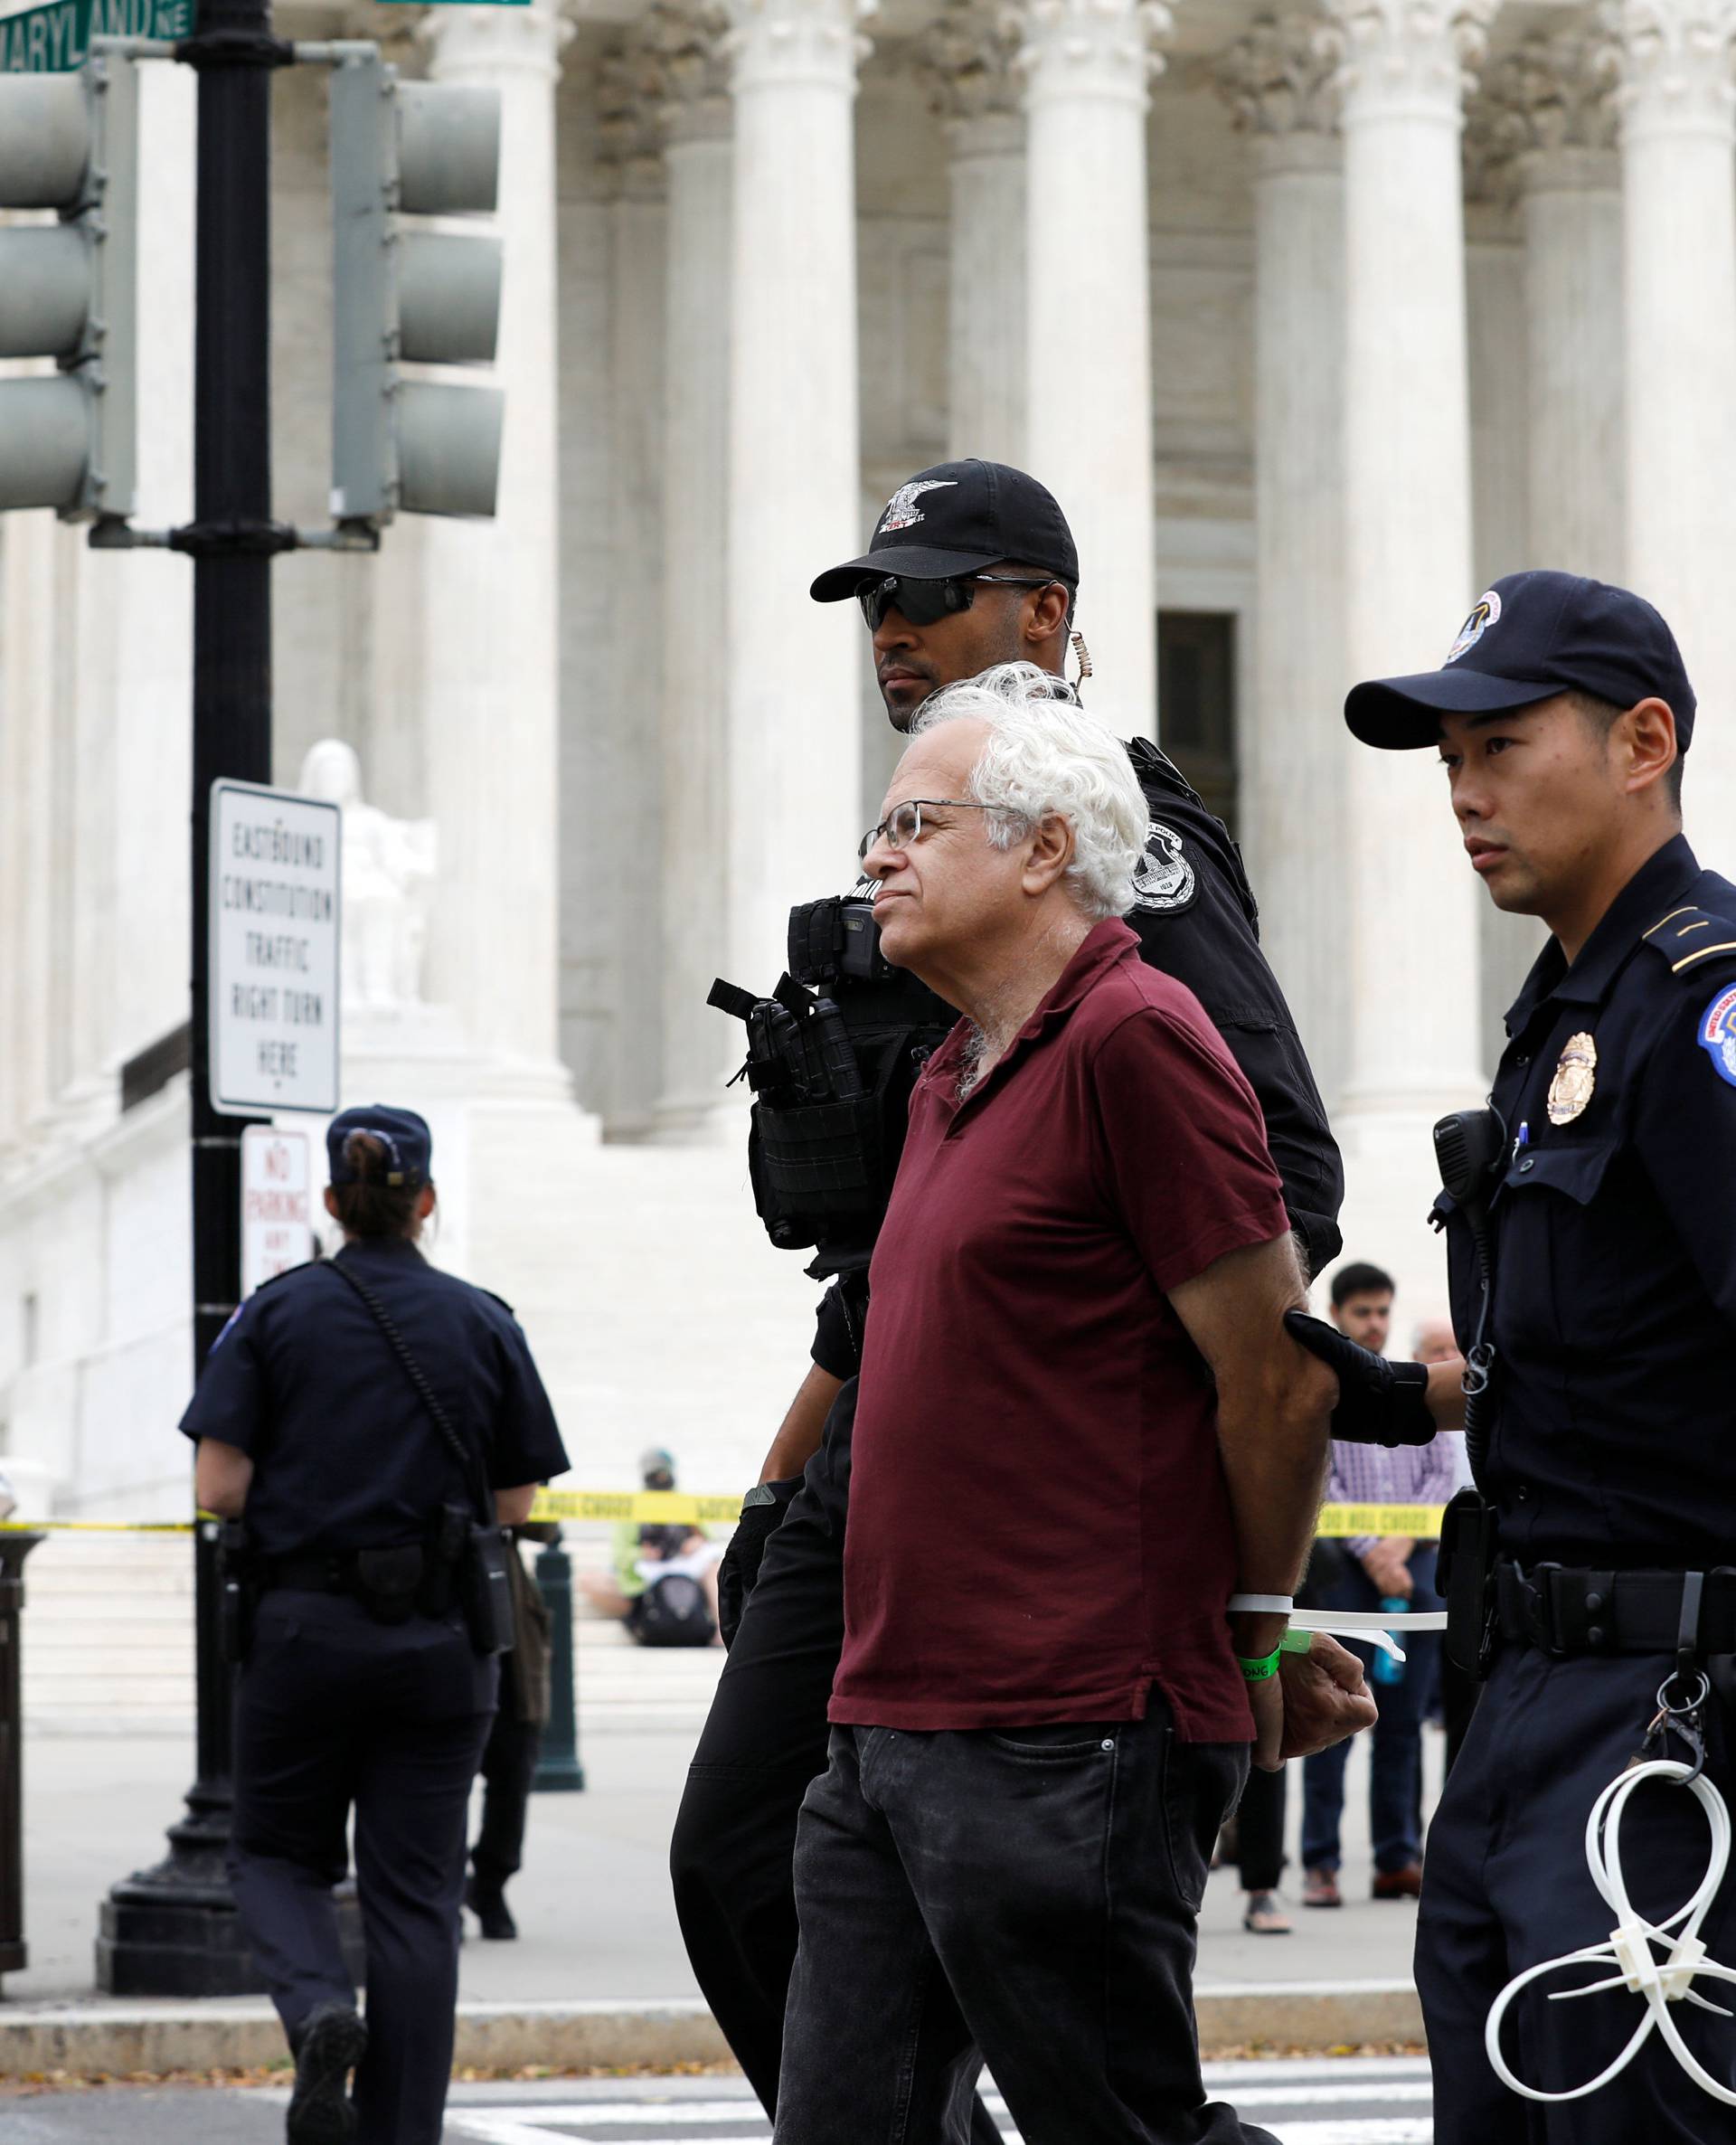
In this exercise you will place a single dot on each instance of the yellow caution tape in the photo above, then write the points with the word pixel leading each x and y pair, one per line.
pixel 674 1507
pixel 1420 1521
pixel 658 1507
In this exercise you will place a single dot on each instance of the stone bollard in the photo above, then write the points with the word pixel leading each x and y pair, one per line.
pixel 558 1770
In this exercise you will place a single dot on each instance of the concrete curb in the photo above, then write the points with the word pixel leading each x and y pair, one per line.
pixel 89 2038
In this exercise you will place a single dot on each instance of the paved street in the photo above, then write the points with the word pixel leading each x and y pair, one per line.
pixel 594 1902
pixel 1376 2100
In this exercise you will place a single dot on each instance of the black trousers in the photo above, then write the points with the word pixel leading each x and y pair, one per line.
pixel 765 1740
pixel 1506 1885
pixel 334 1712
pixel 1259 1830
pixel 508 1767
pixel 1027 1896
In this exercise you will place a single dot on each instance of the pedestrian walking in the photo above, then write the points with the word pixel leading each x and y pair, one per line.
pixel 972 570
pixel 1392 1572
pixel 368 1420
pixel 1053 1336
pixel 509 1757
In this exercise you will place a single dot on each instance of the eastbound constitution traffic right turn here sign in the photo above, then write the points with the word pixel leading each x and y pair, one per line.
pixel 276 910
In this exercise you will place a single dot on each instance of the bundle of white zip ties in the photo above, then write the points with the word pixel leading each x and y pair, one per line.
pixel 1661 1982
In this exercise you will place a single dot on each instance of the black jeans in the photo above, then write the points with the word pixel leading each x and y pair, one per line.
pixel 1025 1898
pixel 334 1712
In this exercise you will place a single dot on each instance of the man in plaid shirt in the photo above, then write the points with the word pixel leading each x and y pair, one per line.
pixel 1379 1569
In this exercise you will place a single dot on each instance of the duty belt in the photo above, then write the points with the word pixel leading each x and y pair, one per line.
pixel 331 1572
pixel 1567 1611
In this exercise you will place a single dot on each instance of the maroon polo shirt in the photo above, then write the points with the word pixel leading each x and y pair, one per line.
pixel 1040 1527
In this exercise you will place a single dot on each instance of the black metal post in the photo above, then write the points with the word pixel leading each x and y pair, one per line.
pixel 14 1954
pixel 559 1770
pixel 172 1930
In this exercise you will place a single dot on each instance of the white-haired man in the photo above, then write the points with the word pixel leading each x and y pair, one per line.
pixel 1034 1744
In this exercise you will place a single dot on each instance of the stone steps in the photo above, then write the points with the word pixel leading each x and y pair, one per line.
pixel 107 1645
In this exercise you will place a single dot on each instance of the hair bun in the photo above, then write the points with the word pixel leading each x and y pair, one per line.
pixel 367 1155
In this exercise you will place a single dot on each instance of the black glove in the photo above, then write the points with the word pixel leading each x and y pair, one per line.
pixel 1379 1403
pixel 740 1569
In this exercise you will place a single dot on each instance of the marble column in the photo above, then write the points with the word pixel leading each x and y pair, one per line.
pixel 1409 941
pixel 1087 66
pixel 701 1049
pixel 618 733
pixel 1555 121
pixel 967 62
pixel 795 701
pixel 1278 83
pixel 493 589
pixel 1679 198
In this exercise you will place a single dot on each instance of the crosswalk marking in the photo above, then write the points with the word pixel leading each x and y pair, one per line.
pixel 1273 2094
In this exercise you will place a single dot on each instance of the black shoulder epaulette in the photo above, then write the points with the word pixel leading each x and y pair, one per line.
pixel 1691 940
pixel 501 1301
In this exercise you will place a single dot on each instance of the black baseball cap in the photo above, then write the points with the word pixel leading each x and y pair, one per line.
pixel 404 1136
pixel 957 518
pixel 1529 636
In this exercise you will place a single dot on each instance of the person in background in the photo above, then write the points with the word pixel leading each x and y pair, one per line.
pixel 645 1552
pixel 1260 1851
pixel 1455 1693
pixel 368 1417
pixel 1379 1571
pixel 514 1746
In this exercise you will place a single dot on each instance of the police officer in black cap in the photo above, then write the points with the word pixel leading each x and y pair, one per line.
pixel 971 565
pixel 368 1419
pixel 1591 1241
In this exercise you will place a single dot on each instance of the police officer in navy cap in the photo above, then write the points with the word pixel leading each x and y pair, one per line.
pixel 971 567
pixel 1590 1573
pixel 367 1419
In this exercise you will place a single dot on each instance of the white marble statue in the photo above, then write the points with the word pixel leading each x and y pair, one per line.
pixel 388 869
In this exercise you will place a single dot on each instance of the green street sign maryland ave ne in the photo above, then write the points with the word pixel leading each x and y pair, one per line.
pixel 56 39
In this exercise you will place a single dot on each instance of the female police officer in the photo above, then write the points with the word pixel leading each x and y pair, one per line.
pixel 358 1412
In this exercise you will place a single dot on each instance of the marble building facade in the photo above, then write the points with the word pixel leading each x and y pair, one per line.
pixel 1315 321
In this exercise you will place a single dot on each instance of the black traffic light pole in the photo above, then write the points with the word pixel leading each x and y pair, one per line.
pixel 172 1930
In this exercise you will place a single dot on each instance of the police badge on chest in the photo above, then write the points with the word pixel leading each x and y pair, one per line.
pixel 1166 882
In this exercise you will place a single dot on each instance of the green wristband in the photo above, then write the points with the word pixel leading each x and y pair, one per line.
pixel 1258 1671
pixel 1296 1642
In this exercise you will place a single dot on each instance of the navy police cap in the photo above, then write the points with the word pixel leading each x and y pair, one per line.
pixel 1530 637
pixel 957 518
pixel 408 1142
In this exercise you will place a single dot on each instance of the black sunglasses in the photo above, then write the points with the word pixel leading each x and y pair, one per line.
pixel 926 602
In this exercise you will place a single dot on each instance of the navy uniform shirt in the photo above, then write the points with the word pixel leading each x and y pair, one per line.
pixel 345 1456
pixel 1613 1438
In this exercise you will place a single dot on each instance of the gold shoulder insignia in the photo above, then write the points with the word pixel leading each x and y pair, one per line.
pixel 1688 939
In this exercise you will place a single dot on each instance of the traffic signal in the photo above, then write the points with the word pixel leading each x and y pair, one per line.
pixel 403 149
pixel 70 142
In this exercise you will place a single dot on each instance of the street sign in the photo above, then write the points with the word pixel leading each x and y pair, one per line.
pixel 277 1203
pixel 56 39
pixel 276 905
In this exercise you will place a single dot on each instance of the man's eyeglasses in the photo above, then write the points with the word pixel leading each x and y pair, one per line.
pixel 902 825
pixel 927 602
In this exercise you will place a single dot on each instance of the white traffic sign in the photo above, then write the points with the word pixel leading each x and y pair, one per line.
pixel 276 907
pixel 277 1203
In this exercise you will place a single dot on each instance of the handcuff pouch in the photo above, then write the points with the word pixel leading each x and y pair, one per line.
pixel 1465 1575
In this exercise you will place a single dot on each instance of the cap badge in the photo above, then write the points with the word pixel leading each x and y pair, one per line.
pixel 902 509
pixel 1487 613
pixel 1716 1034
pixel 1164 881
pixel 1576 1075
